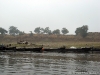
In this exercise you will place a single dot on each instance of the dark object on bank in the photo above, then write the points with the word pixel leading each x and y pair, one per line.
pixel 29 49
pixel 2 47
pixel 22 42
pixel 41 49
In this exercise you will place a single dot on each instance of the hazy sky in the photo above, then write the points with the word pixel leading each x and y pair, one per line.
pixel 56 14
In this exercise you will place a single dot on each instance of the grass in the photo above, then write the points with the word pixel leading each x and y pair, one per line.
pixel 60 44
pixel 75 44
pixel 52 41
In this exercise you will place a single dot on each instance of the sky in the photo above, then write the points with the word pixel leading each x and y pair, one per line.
pixel 26 15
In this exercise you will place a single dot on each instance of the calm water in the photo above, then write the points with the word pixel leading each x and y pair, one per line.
pixel 18 63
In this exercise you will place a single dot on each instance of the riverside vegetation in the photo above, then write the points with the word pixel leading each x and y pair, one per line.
pixel 52 41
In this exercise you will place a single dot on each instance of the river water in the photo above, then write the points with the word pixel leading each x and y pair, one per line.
pixel 27 63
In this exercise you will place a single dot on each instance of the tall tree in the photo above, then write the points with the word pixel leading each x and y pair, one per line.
pixel 78 30
pixel 83 31
pixel 13 30
pixel 41 30
pixel 47 30
pixel 64 31
pixel 57 32
pixel 3 31
pixel 37 30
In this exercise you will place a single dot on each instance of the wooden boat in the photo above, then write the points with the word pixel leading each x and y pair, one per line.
pixel 59 50
pixel 14 49
pixel 30 49
pixel 79 50
pixel 6 49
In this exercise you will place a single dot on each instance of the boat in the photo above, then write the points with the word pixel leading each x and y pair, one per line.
pixel 64 50
pixel 30 49
pixel 41 49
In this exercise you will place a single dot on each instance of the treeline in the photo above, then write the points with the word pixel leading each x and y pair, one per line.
pixel 83 31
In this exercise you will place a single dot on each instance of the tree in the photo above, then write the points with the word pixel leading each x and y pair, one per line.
pixel 41 30
pixel 82 31
pixel 13 30
pixel 64 31
pixel 3 31
pixel 57 32
pixel 37 30
pixel 21 33
pixel 31 33
pixel 47 30
pixel 78 30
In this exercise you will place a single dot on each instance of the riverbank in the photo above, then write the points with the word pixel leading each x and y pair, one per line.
pixel 57 44
pixel 51 41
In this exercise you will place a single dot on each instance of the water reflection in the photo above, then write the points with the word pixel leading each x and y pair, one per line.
pixel 14 63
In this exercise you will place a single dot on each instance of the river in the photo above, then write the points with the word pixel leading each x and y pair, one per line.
pixel 28 63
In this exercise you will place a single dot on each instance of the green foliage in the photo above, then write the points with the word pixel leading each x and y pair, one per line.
pixel 13 30
pixel 64 31
pixel 21 33
pixel 82 31
pixel 47 30
pixel 3 31
pixel 37 30
pixel 56 32
pixel 42 30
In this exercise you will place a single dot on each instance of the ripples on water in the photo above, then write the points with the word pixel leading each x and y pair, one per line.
pixel 17 63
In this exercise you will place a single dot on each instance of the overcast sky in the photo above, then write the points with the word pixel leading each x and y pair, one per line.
pixel 26 15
